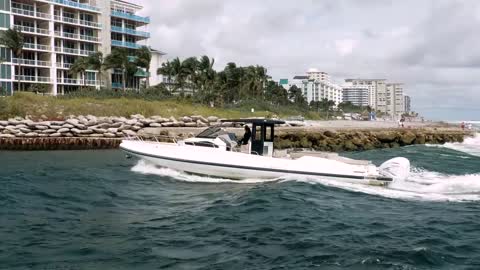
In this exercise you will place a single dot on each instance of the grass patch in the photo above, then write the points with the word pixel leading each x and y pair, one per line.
pixel 23 104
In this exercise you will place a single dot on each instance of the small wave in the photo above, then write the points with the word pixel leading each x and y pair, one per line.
pixel 420 185
pixel 469 145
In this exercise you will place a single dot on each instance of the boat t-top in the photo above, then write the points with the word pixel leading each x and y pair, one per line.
pixel 215 152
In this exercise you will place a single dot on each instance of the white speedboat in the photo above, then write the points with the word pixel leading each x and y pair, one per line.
pixel 214 153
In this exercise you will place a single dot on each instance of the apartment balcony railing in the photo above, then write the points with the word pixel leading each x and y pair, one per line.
pixel 29 29
pixel 29 62
pixel 33 46
pixel 128 16
pixel 116 85
pixel 77 21
pixel 76 36
pixel 64 65
pixel 130 45
pixel 38 79
pixel 77 82
pixel 130 31
pixel 74 4
pixel 31 13
pixel 74 51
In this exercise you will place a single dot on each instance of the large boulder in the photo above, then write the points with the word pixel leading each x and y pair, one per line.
pixel 407 138
pixel 63 130
pixel 129 132
pixel 72 121
pixel 131 122
pixel 155 124
pixel 31 134
pixel 112 130
pixel 55 127
pixel 98 130
pixel 186 119
pixel 55 134
pixel 3 123
pixel 7 136
pixel 386 136
pixel 49 131
pixel 25 130
pixel 68 126
pixel 212 119
pixel 109 135
pixel 41 127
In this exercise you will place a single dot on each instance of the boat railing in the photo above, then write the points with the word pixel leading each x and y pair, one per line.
pixel 153 138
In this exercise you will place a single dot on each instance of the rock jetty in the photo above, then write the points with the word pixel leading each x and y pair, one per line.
pixel 91 132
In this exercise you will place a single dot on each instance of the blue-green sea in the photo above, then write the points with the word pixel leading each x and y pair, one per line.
pixel 99 210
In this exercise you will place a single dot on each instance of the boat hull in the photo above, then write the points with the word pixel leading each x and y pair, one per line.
pixel 234 165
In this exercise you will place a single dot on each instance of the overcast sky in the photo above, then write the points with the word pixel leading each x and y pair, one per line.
pixel 433 46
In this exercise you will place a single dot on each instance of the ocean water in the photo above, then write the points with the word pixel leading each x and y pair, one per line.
pixel 98 210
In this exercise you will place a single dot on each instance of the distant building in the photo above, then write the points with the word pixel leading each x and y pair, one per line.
pixel 358 95
pixel 376 91
pixel 407 104
pixel 315 86
pixel 394 99
pixel 314 74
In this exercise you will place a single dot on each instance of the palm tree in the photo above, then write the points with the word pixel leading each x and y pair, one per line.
pixel 80 66
pixel 143 59
pixel 14 40
pixel 189 71
pixel 118 59
pixel 166 70
pixel 96 62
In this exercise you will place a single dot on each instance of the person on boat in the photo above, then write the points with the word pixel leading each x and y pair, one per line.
pixel 246 136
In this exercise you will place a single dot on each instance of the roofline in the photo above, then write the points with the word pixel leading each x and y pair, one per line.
pixel 128 3
pixel 349 80
pixel 254 121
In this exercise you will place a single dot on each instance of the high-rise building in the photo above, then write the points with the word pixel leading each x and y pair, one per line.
pixel 358 95
pixel 407 104
pixel 57 32
pixel 376 91
pixel 315 86
pixel 394 99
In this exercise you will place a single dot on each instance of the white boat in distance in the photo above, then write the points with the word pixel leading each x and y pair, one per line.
pixel 214 153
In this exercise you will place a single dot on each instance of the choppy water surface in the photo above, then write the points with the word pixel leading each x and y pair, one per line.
pixel 98 210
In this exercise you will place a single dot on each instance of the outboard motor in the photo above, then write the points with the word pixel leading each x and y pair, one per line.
pixel 397 168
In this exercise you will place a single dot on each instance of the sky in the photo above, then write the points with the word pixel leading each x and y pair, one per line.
pixel 432 46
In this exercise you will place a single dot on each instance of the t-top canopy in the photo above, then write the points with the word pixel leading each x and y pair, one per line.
pixel 254 121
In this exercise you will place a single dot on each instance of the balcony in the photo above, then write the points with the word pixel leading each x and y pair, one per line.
pixel 76 36
pixel 125 44
pixel 74 4
pixel 29 62
pixel 37 79
pixel 77 22
pixel 73 51
pixel 37 47
pixel 33 30
pixel 77 82
pixel 130 32
pixel 116 85
pixel 30 13
pixel 129 16
pixel 64 65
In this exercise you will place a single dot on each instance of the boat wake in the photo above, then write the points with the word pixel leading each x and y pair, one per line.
pixel 420 185
pixel 469 145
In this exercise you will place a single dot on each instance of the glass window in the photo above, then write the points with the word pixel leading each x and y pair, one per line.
pixel 269 134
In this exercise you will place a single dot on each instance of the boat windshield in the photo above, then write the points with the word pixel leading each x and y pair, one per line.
pixel 211 133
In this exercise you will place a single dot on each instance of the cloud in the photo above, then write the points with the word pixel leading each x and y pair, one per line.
pixel 429 45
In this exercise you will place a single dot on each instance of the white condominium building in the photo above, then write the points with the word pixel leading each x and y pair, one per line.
pixel 315 89
pixel 57 32
pixel 374 86
pixel 358 95
pixel 395 99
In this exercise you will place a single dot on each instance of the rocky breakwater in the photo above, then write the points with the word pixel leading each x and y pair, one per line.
pixel 356 140
pixel 85 132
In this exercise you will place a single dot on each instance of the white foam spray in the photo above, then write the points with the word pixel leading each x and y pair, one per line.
pixel 420 185
pixel 469 145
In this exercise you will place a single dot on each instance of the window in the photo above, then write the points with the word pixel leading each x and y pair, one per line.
pixel 5 71
pixel 4 20
pixel 5 54
pixel 5 5
pixel 269 133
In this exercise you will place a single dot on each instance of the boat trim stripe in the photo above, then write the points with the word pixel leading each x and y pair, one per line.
pixel 380 178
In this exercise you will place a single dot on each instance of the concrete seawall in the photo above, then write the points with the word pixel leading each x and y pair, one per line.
pixel 318 139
